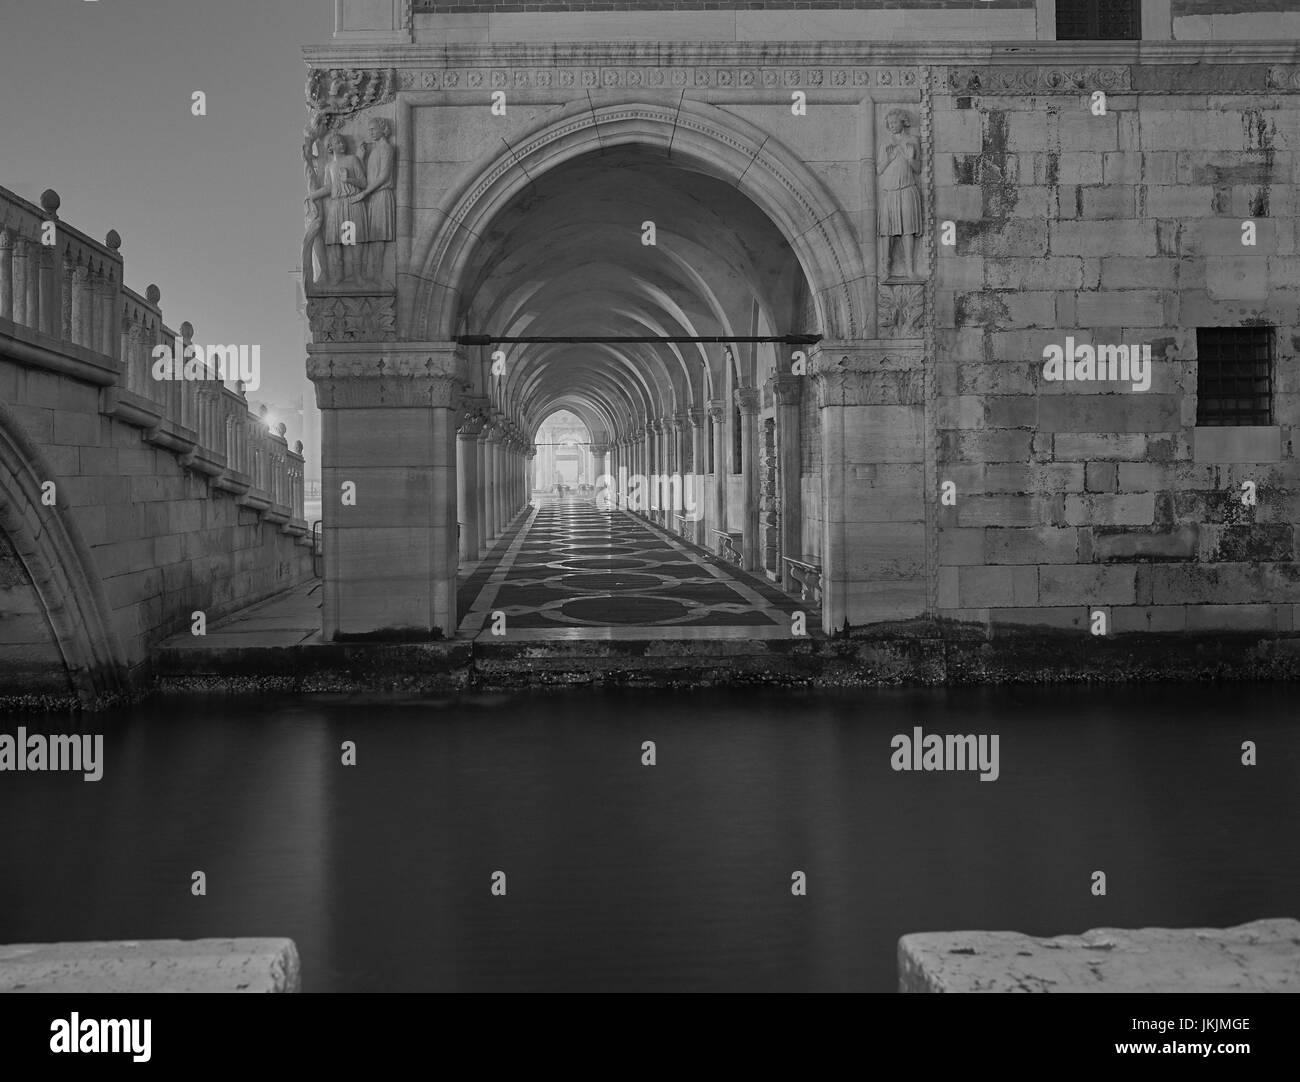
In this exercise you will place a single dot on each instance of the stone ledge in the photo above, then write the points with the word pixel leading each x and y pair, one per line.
pixel 152 965
pixel 1262 956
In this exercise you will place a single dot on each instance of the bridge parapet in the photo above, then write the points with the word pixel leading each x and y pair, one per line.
pixel 64 307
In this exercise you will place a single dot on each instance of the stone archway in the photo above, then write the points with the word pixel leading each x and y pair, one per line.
pixel 58 565
pixel 697 134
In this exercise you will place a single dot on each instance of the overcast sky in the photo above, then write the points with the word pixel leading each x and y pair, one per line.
pixel 95 102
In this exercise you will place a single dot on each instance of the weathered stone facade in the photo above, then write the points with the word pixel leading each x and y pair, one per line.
pixel 1034 211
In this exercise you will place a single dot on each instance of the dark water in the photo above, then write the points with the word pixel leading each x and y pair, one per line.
pixel 677 876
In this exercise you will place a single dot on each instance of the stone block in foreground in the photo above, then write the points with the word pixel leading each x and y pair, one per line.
pixel 152 965
pixel 1262 956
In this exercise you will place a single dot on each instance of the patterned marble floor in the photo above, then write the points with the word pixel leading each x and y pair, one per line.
pixel 568 570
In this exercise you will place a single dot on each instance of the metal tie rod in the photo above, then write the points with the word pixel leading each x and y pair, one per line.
pixel 489 340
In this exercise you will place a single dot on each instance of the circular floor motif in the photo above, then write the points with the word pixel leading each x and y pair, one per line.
pixel 597 550
pixel 599 563
pixel 624 610
pixel 611 580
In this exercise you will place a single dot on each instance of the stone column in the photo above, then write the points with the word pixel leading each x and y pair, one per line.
pixel 696 419
pixel 482 502
pixel 468 494
pixel 498 462
pixel 388 466
pixel 874 548
pixel 747 401
pixel 490 448
pixel 788 391
pixel 718 518
pixel 648 466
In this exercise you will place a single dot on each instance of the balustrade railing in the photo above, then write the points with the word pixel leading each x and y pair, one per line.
pixel 66 294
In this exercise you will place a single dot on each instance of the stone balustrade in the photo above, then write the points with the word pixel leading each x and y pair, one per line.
pixel 68 301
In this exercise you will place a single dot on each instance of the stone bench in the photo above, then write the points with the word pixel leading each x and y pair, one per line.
pixel 807 572
pixel 1262 956
pixel 730 546
pixel 152 965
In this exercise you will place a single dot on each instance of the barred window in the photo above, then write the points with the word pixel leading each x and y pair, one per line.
pixel 1234 375
pixel 1098 20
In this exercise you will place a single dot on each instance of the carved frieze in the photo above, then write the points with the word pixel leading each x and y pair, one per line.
pixel 352 318
pixel 633 76
pixel 1032 79
pixel 396 376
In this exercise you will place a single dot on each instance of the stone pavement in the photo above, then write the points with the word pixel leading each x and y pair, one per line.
pixel 572 571
pixel 563 570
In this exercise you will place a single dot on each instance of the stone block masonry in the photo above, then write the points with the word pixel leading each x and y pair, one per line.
pixel 1142 244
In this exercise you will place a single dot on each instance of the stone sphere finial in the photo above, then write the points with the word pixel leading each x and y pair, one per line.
pixel 153 294
pixel 261 410
pixel 187 330
pixel 50 202
pixel 113 240
pixel 297 447
pixel 282 428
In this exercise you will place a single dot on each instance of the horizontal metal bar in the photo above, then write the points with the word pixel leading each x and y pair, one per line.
pixel 490 340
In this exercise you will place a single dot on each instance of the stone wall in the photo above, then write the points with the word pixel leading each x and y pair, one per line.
pixel 161 541
pixel 1122 228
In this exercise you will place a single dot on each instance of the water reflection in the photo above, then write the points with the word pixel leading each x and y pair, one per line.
pixel 622 876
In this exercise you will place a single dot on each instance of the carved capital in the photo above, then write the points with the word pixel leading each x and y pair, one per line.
pixel 696 417
pixel 748 400
pixel 786 389
pixel 717 410
pixel 411 375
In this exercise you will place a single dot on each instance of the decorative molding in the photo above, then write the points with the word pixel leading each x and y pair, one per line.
pixel 636 76
pixel 335 93
pixel 416 375
pixel 352 318
pixel 900 310
pixel 848 388
pixel 1284 78
pixel 1026 79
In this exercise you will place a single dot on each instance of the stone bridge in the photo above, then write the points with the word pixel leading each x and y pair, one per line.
pixel 127 503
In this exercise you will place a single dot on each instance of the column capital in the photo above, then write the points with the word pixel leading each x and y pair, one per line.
pixel 748 400
pixel 786 389
pixel 357 375
pixel 696 417
pixel 856 373
pixel 717 409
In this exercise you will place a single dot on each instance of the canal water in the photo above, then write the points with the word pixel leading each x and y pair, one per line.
pixel 622 876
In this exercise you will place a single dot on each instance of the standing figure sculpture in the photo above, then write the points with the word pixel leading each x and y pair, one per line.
pixel 342 179
pixel 898 216
pixel 380 204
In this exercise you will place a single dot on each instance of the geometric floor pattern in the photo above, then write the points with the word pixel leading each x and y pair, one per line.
pixel 570 570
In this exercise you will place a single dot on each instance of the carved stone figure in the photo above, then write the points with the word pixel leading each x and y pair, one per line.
pixel 898 203
pixel 343 178
pixel 378 198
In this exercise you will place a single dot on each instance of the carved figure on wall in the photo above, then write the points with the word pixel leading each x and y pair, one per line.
pixel 898 215
pixel 378 198
pixel 342 178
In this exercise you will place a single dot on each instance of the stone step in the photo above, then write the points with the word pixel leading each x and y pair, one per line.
pixel 1262 956
pixel 152 965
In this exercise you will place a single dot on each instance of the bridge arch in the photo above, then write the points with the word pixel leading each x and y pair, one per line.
pixel 58 562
